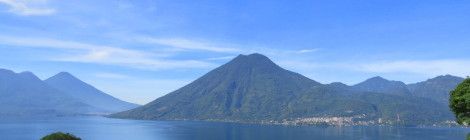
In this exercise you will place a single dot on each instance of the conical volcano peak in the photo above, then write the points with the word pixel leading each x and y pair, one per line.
pixel 85 92
pixel 64 76
pixel 257 56
pixel 253 60
pixel 253 57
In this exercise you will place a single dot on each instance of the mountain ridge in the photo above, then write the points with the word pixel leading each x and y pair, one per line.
pixel 252 88
pixel 24 94
pixel 437 88
pixel 382 85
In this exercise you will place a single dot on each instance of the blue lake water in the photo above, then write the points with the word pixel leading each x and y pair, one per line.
pixel 100 128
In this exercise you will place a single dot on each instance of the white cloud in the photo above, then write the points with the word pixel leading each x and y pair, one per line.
pixel 187 44
pixel 278 53
pixel 144 63
pixel 102 54
pixel 28 7
pixel 307 50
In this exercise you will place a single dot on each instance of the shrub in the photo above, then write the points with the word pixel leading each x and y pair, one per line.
pixel 460 102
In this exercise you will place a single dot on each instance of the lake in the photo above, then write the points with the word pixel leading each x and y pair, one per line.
pixel 100 128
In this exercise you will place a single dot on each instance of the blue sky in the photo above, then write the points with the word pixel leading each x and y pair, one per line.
pixel 141 50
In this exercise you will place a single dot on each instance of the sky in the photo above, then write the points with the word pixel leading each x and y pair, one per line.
pixel 140 50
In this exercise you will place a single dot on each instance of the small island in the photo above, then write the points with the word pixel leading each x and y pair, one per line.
pixel 60 136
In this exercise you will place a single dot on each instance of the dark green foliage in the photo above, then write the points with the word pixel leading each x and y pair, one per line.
pixel 251 88
pixel 60 136
pixel 460 102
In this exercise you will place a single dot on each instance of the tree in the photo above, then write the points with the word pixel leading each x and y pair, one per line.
pixel 460 102
pixel 60 136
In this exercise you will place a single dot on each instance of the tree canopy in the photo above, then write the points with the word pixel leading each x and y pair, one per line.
pixel 460 102
pixel 60 136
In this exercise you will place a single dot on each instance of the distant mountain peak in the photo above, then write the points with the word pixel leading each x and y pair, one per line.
pixel 6 71
pixel 382 85
pixel 377 78
pixel 447 76
pixel 64 73
pixel 75 87
pixel 64 76
pixel 338 84
pixel 28 75
pixel 380 80
pixel 436 88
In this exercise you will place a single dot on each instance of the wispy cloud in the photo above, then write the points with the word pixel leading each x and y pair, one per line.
pixel 187 44
pixel 28 7
pixel 280 52
pixel 307 50
pixel 221 58
pixel 144 63
pixel 140 59
pixel 62 44
pixel 102 54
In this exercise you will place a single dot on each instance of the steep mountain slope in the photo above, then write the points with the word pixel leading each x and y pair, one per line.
pixel 381 85
pixel 24 94
pixel 248 87
pixel 251 88
pixel 437 88
pixel 86 93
